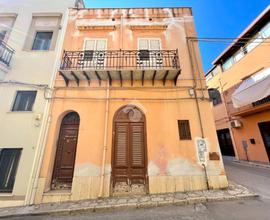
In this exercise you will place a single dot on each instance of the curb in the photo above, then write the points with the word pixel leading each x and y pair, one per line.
pixel 148 204
pixel 252 164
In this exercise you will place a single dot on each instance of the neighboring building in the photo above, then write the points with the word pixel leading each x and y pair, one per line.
pixel 31 37
pixel 130 110
pixel 241 107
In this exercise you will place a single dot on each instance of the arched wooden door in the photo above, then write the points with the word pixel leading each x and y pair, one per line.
pixel 66 152
pixel 129 160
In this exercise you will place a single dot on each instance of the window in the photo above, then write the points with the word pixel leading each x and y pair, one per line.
pixel 9 160
pixel 238 56
pixel 149 54
pixel 24 100
pixel 265 32
pixel 215 96
pixel 95 44
pixel 254 43
pixel 43 32
pixel 94 52
pixel 2 35
pixel 184 130
pixel 42 41
pixel 6 24
pixel 228 64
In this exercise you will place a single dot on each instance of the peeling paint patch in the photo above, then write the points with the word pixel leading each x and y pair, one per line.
pixel 183 167
pixel 214 168
pixel 108 169
pixel 96 22
pixel 161 161
pixel 87 169
pixel 153 169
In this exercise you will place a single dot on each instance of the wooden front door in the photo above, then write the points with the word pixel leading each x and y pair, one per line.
pixel 265 132
pixel 129 162
pixel 66 152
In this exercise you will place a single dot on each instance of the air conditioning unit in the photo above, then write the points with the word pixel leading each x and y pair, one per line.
pixel 236 124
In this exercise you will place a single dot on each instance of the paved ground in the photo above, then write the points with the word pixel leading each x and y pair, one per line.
pixel 257 179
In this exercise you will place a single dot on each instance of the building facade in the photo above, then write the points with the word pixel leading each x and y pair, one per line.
pixel 242 108
pixel 129 107
pixel 31 36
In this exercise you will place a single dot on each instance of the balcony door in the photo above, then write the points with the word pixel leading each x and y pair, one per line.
pixel 129 161
pixel 149 53
pixel 94 53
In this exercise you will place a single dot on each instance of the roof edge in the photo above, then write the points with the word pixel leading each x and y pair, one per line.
pixel 253 23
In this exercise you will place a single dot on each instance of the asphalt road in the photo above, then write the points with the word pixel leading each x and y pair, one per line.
pixel 256 179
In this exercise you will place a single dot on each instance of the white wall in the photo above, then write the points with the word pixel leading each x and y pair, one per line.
pixel 20 129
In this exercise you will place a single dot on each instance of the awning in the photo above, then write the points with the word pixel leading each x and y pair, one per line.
pixel 252 89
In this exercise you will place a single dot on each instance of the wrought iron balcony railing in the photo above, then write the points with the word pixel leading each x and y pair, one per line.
pixel 120 59
pixel 6 53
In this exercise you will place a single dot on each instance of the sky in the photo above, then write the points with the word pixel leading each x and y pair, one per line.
pixel 213 18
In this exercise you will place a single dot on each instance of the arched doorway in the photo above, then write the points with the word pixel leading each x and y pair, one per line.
pixel 129 155
pixel 66 152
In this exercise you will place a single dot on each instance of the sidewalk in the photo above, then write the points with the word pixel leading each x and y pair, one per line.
pixel 233 192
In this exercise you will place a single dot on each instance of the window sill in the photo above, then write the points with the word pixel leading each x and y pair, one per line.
pixel 26 112
pixel 6 194
pixel 39 51
pixel 57 192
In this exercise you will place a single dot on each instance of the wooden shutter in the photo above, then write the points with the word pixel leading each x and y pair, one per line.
pixel 184 130
pixel 137 144
pixel 101 44
pixel 121 150
pixel 154 44
pixel 9 159
pixel 89 45
pixel 143 44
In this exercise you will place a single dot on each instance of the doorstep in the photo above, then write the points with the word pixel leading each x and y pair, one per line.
pixel 233 192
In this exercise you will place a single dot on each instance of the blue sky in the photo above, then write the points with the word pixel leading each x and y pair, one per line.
pixel 213 18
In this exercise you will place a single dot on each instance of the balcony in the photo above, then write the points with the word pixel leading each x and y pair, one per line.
pixel 120 65
pixel 6 53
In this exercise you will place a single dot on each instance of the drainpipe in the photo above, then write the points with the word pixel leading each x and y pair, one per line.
pixel 196 100
pixel 194 88
pixel 102 176
pixel 206 176
pixel 121 32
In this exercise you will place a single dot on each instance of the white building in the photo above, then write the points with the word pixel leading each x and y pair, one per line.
pixel 31 36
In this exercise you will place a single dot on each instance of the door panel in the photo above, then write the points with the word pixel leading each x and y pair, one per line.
pixel 66 152
pixel 129 159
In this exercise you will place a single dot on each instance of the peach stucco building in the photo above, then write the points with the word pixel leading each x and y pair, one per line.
pixel 130 109
pixel 242 76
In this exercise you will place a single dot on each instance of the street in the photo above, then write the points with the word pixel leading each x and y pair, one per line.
pixel 255 178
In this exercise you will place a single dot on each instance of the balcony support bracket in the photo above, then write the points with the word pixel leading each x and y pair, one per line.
pixel 87 77
pixel 109 77
pixel 121 79
pixel 142 77
pixel 64 77
pixel 76 78
pixel 99 79
pixel 153 78
pixel 165 77
pixel 131 77
pixel 176 77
